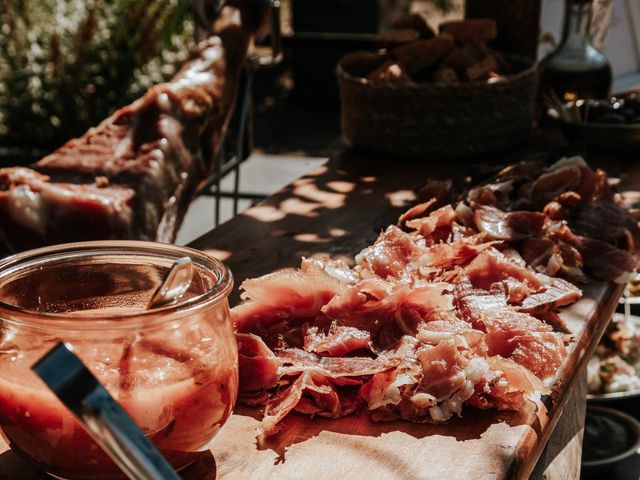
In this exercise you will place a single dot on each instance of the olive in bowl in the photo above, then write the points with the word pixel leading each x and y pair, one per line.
pixel 616 110
pixel 603 123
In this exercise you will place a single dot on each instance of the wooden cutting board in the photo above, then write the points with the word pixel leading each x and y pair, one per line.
pixel 480 445
pixel 338 210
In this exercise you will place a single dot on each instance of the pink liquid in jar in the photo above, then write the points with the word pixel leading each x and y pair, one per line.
pixel 173 370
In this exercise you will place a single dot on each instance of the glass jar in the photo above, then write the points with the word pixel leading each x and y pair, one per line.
pixel 174 369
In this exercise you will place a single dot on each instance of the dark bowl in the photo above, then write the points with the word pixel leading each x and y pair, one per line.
pixel 622 460
pixel 601 135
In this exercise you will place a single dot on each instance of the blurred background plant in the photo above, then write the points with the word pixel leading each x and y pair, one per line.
pixel 65 65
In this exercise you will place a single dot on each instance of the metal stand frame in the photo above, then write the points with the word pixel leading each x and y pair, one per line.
pixel 242 121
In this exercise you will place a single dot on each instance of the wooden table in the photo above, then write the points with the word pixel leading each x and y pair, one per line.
pixel 337 210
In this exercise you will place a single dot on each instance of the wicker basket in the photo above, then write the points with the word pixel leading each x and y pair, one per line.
pixel 434 119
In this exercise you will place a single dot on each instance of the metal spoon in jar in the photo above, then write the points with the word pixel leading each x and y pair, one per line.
pixel 176 282
pixel 174 285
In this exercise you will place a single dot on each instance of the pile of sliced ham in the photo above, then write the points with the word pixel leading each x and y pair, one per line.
pixel 457 305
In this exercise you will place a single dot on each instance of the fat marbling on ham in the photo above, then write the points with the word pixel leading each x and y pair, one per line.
pixel 457 305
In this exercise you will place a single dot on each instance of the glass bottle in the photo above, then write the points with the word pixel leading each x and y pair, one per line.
pixel 576 69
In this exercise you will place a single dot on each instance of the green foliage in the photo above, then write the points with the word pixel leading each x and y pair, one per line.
pixel 65 65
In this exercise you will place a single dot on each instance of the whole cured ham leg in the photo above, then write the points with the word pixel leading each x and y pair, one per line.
pixel 137 171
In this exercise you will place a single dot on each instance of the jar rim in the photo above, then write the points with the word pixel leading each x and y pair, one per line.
pixel 16 315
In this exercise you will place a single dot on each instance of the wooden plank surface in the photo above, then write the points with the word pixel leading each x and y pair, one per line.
pixel 481 445
pixel 338 210
pixel 561 457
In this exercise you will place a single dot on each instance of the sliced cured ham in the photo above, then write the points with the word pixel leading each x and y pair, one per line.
pixel 287 294
pixel 297 360
pixel 550 257
pixel 258 364
pixel 389 311
pixel 556 293
pixel 338 341
pixel 455 306
pixel 506 387
pixel 419 210
pixel 560 178
pixel 511 226
pixel 541 353
pixel 491 266
pixel 391 253
pixel 494 194
pixel 434 227
pixel 312 394
pixel 607 261
pixel 362 306
pixel 446 255
pixel 606 221
pixel 431 387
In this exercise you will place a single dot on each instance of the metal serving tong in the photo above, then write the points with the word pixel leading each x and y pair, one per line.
pixel 102 417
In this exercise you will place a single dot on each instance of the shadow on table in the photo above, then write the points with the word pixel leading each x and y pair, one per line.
pixel 204 468
pixel 297 429
pixel 336 210
pixel 14 467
